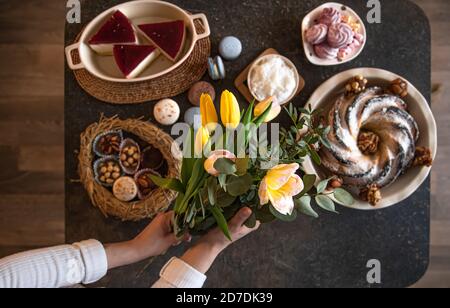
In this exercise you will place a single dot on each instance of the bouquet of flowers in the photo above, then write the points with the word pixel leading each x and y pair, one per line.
pixel 221 172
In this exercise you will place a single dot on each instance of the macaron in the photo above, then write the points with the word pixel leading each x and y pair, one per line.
pixel 216 68
pixel 198 89
pixel 166 112
pixel 230 48
pixel 192 117
pixel 125 189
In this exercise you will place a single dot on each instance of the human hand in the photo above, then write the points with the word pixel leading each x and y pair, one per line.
pixel 206 250
pixel 155 240
pixel 236 227
pixel 157 237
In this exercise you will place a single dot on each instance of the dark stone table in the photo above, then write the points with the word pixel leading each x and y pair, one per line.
pixel 331 251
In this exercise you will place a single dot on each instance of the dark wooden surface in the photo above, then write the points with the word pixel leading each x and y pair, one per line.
pixel 31 107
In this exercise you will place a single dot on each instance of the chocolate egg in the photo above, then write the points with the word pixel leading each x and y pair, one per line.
pixel 166 112
pixel 198 89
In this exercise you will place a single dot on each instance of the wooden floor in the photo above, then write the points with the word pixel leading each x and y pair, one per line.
pixel 32 142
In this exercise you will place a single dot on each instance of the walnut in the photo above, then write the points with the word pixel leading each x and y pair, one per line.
pixel 423 157
pixel 355 85
pixel 399 87
pixel 368 143
pixel 371 194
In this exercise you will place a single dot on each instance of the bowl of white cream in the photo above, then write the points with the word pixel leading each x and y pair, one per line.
pixel 273 76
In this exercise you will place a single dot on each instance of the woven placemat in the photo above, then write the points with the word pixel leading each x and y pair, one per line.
pixel 172 84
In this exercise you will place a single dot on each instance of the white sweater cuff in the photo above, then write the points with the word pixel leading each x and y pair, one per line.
pixel 181 275
pixel 95 260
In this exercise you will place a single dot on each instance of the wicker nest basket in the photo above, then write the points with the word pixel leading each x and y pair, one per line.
pixel 102 198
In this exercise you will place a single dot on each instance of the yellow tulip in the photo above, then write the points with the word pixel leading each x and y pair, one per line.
pixel 279 187
pixel 229 110
pixel 208 112
pixel 201 139
pixel 215 155
pixel 262 106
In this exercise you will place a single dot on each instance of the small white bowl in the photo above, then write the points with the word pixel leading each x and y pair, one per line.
pixel 323 98
pixel 308 22
pixel 288 63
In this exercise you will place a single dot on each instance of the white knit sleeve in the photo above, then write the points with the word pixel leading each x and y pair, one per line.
pixel 55 267
pixel 178 274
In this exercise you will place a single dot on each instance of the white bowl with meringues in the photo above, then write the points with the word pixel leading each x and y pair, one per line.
pixel 333 34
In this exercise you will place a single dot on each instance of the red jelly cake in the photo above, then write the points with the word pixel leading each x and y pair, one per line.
pixel 117 30
pixel 132 60
pixel 169 37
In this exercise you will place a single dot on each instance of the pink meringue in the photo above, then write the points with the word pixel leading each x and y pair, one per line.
pixel 317 34
pixel 340 35
pixel 346 51
pixel 359 37
pixel 329 16
pixel 325 51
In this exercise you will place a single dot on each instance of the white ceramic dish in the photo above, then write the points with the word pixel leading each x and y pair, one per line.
pixel 287 62
pixel 139 12
pixel 308 21
pixel 408 183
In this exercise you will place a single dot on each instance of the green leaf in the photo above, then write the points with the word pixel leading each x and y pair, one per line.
pixel 247 118
pixel 242 165
pixel 225 166
pixel 178 203
pixel 326 203
pixel 304 111
pixel 237 186
pixel 315 157
pixel 221 221
pixel 190 214
pixel 251 196
pixel 322 186
pixel 343 197
pixel 286 218
pixel 188 160
pixel 264 215
pixel 200 199
pixel 224 199
pixel 186 169
pixel 212 187
pixel 308 180
pixel 251 221
pixel 172 184
pixel 325 142
pixel 304 206
pixel 196 181
pixel 222 181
